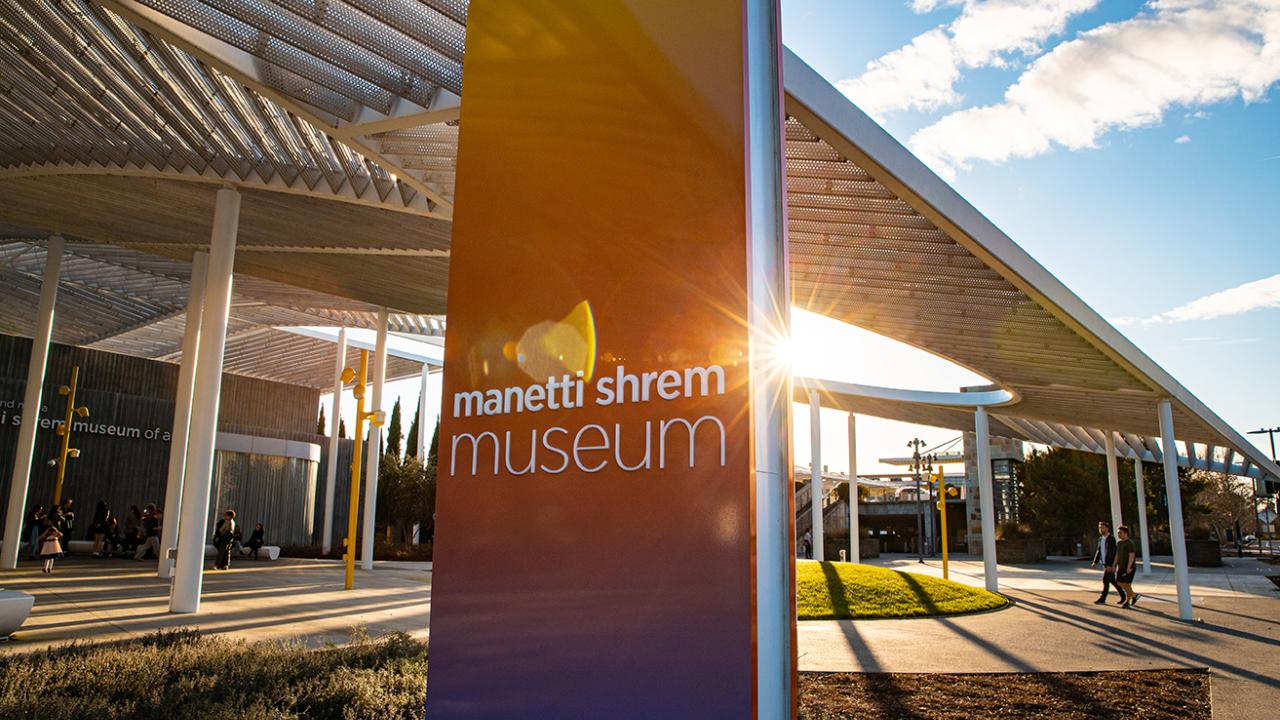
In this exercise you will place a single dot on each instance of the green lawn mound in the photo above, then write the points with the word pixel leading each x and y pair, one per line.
pixel 827 591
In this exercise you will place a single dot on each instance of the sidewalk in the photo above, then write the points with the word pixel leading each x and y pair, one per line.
pixel 96 600
pixel 1053 625
pixel 1237 576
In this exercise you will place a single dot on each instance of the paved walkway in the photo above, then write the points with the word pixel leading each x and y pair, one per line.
pixel 1052 624
pixel 88 599
pixel 1237 576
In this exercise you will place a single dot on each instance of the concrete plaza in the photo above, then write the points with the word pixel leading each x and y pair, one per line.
pixel 1052 624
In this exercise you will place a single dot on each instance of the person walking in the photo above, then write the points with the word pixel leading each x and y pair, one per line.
pixel 223 538
pixel 150 533
pixel 1126 565
pixel 1106 554
pixel 50 547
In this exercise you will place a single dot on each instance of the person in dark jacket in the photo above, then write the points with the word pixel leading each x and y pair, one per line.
pixel 35 526
pixel 256 540
pixel 223 538
pixel 98 527
pixel 1106 554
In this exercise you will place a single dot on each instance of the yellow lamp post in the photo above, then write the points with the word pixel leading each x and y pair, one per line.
pixel 375 419
pixel 64 431
pixel 940 478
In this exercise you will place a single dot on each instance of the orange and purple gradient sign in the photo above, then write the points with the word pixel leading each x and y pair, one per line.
pixel 595 517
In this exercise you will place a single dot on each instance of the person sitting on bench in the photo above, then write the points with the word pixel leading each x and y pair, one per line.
pixel 255 541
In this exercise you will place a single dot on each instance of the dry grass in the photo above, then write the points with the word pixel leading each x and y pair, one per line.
pixel 178 675
pixel 1146 694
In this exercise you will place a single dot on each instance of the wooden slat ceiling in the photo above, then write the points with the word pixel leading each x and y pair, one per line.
pixel 862 255
pixel 172 217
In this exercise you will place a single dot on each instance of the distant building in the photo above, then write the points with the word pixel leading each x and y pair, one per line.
pixel 1007 458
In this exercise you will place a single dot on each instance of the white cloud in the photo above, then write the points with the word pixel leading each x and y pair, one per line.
pixel 1256 295
pixel 1121 75
pixel 1182 139
pixel 922 74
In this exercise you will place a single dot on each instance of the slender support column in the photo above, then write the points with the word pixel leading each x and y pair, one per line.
pixel 184 597
pixel 331 470
pixel 1113 481
pixel 986 498
pixel 425 428
pixel 373 457
pixel 40 336
pixel 182 415
pixel 1177 533
pixel 1142 515
pixel 816 532
pixel 768 322
pixel 854 531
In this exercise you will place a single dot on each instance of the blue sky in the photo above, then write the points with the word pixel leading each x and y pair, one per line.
pixel 1137 155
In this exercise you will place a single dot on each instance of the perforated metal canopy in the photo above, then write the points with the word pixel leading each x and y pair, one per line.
pixel 337 121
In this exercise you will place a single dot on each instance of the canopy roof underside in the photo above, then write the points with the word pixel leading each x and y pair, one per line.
pixel 338 122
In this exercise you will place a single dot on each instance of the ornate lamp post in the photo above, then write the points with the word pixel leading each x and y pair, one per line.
pixel 376 419
pixel 64 431
pixel 919 463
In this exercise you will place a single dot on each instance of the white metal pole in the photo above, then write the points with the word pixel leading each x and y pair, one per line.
pixel 768 324
pixel 1142 515
pixel 182 414
pixel 184 596
pixel 331 470
pixel 816 494
pixel 372 456
pixel 1113 481
pixel 854 531
pixel 1177 534
pixel 986 498
pixel 31 399
pixel 424 428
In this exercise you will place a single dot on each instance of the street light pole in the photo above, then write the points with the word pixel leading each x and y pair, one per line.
pixel 375 418
pixel 915 446
pixel 1257 520
pixel 1271 433
pixel 64 431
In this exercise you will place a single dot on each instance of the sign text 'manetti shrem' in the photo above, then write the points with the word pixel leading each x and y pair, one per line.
pixel 588 447
pixel 595 518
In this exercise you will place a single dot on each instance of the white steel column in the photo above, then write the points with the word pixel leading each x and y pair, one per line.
pixel 768 325
pixel 424 435
pixel 31 399
pixel 1113 481
pixel 1177 534
pixel 1142 515
pixel 816 531
pixel 331 469
pixel 184 596
pixel 182 415
pixel 854 531
pixel 986 498
pixel 372 456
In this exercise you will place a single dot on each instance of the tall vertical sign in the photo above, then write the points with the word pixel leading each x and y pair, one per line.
pixel 596 550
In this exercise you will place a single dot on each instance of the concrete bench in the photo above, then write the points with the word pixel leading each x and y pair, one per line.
pixel 15 607
pixel 266 552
